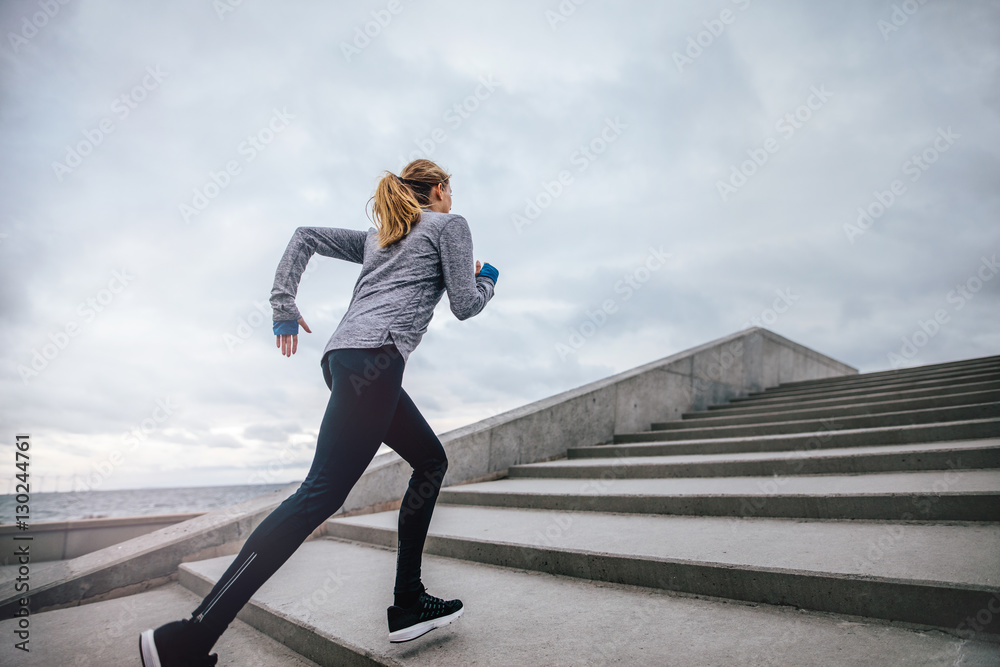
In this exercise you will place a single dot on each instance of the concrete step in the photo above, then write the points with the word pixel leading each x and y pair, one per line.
pixel 965 365
pixel 930 574
pixel 816 392
pixel 338 591
pixel 779 404
pixel 921 372
pixel 866 380
pixel 653 444
pixel 701 430
pixel 690 419
pixel 107 634
pixel 972 495
pixel 967 455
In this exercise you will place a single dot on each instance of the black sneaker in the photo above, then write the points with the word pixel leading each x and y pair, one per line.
pixel 427 613
pixel 172 645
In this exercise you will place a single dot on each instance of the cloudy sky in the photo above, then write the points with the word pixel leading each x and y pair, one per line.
pixel 683 166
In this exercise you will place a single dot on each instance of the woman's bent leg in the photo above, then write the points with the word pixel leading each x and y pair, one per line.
pixel 359 412
pixel 413 439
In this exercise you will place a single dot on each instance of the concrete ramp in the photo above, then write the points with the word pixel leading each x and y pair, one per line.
pixel 141 563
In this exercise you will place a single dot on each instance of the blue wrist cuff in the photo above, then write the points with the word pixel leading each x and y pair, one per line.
pixel 285 327
pixel 489 271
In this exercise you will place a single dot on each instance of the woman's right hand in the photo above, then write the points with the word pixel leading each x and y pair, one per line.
pixel 491 271
pixel 289 343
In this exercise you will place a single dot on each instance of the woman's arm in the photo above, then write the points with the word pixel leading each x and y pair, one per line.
pixel 346 244
pixel 468 293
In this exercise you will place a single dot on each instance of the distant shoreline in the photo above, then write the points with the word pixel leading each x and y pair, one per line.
pixel 55 506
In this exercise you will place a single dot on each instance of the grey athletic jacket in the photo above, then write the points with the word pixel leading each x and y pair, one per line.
pixel 399 286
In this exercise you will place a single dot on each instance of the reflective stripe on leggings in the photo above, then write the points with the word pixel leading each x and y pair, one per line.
pixel 226 587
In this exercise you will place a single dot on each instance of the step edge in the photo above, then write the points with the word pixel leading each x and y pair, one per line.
pixel 248 614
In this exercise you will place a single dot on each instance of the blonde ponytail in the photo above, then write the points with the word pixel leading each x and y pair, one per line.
pixel 398 199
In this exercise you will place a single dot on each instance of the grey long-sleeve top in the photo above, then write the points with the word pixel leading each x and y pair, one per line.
pixel 399 286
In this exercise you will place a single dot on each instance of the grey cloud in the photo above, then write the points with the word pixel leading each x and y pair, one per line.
pixel 197 282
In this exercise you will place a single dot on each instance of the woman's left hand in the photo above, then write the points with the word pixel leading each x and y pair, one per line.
pixel 290 343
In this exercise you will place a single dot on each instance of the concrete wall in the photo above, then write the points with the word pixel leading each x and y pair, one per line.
pixel 736 365
pixel 61 540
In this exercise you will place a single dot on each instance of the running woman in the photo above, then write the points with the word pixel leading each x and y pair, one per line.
pixel 418 251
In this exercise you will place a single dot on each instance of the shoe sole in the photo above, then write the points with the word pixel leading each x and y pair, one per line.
pixel 147 650
pixel 420 629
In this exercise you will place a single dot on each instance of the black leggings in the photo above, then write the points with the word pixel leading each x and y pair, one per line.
pixel 367 407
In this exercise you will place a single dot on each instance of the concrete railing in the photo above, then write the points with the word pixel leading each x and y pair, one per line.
pixel 136 564
pixel 62 540
pixel 736 365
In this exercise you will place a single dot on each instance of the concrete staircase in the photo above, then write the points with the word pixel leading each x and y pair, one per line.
pixel 870 501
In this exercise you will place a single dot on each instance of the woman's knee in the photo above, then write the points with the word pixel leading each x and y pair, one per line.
pixel 425 484
pixel 436 467
pixel 315 503
pixel 429 475
pixel 442 469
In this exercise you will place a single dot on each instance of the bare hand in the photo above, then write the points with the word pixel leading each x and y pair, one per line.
pixel 479 265
pixel 289 343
